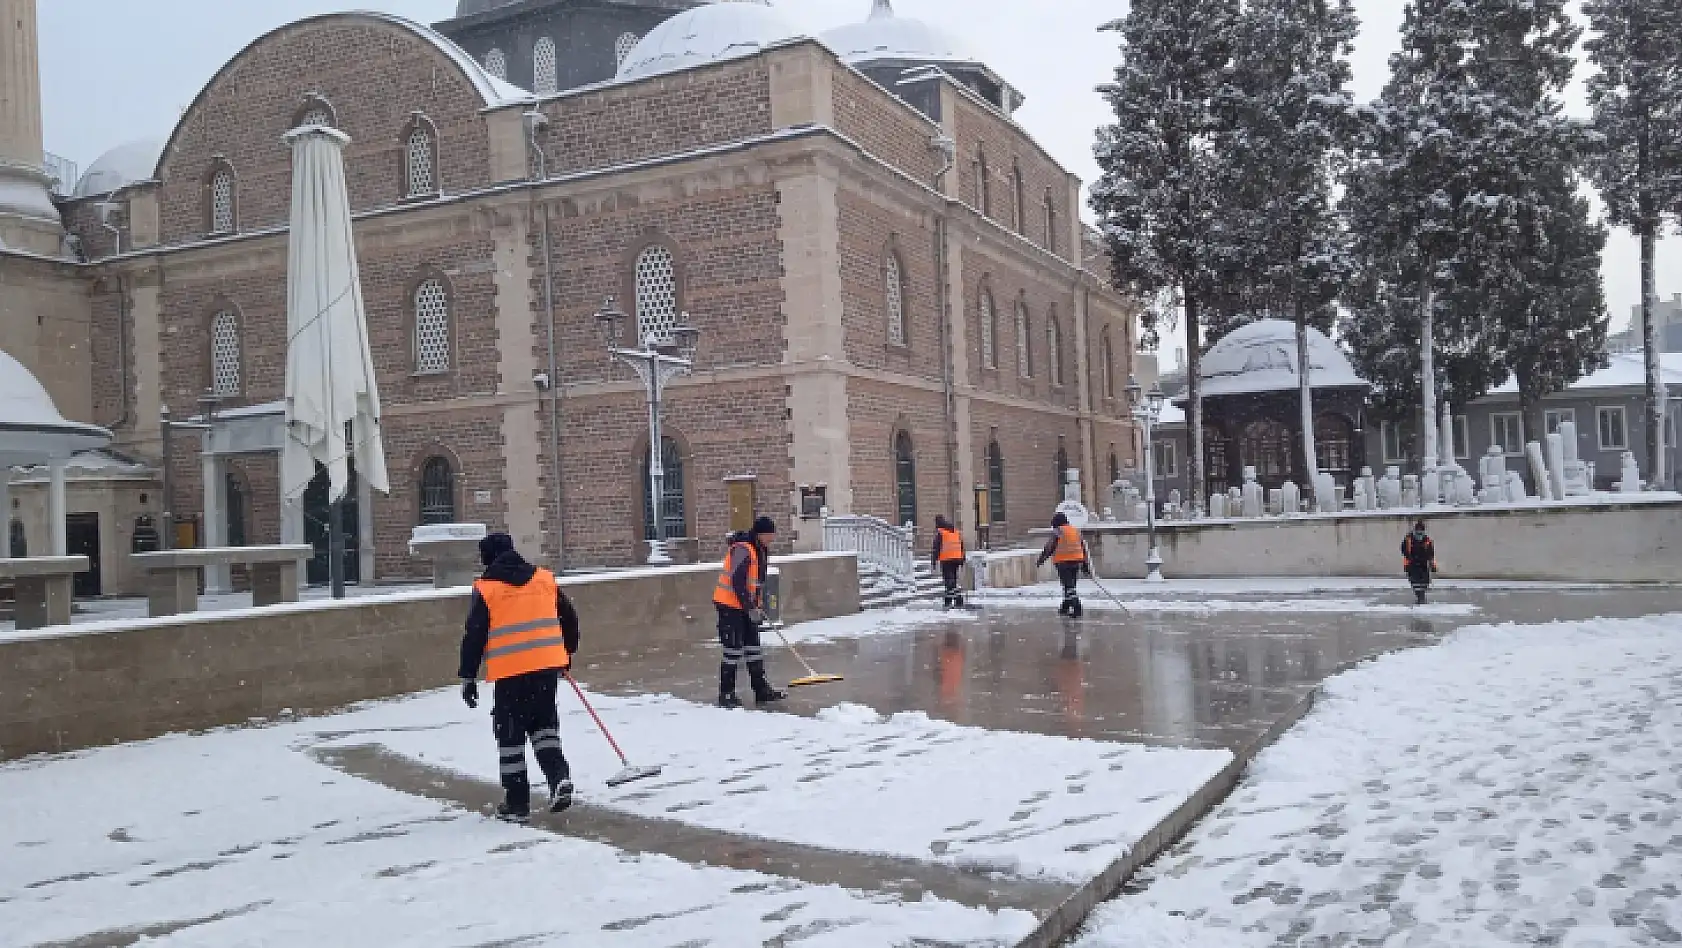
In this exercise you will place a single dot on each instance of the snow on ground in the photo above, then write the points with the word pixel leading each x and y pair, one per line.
pixel 1094 598
pixel 1516 785
pixel 93 615
pixel 873 622
pixel 906 786
pixel 240 838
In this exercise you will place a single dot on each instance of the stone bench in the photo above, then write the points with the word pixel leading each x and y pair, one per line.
pixel 43 588
pixel 172 580
pixel 453 551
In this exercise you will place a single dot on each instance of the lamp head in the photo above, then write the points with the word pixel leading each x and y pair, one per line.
pixel 611 321
pixel 1134 390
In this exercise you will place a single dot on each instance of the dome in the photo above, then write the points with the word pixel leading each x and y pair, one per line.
pixel 704 35
pixel 886 35
pixel 31 429
pixel 120 167
pixel 1262 357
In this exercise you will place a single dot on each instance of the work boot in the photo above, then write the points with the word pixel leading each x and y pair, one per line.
pixel 729 701
pixel 768 695
pixel 958 600
pixel 560 796
pixel 1076 610
pixel 1419 595
pixel 508 813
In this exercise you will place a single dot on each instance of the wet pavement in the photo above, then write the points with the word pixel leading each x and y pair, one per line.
pixel 1173 678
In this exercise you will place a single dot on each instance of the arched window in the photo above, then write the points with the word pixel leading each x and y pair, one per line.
pixel 1266 446
pixel 437 491
pixel 223 216
pixel 315 111
pixel 545 73
pixel 905 478
pixel 622 47
pixel 893 288
pixel 995 483
pixel 672 510
pixel 1062 469
pixel 656 281
pixel 1053 348
pixel 420 160
pixel 237 503
pixel 496 63
pixel 1018 201
pixel 432 328
pixel 1115 466
pixel 226 353
pixel 1050 222
pixel 1334 439
pixel 19 543
pixel 989 319
pixel 1024 352
pixel 983 187
pixel 1108 355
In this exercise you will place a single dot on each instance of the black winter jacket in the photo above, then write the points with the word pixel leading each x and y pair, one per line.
pixel 510 568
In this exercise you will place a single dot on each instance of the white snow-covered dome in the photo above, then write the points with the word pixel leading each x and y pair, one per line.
pixel 889 36
pixel 120 167
pixel 31 429
pixel 704 35
pixel 1262 357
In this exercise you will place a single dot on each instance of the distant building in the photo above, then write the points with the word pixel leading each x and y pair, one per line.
pixel 1667 317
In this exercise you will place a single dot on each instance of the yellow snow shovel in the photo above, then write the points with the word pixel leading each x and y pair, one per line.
pixel 812 677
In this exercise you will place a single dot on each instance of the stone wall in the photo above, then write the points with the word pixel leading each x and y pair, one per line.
pixel 1613 543
pixel 132 681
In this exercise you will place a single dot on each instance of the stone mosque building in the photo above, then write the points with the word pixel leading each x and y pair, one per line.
pixel 898 300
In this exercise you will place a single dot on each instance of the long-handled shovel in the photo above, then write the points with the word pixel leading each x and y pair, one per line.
pixel 812 677
pixel 627 772
pixel 1112 596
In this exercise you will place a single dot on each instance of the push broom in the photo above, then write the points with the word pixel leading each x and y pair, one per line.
pixel 627 773
pixel 812 677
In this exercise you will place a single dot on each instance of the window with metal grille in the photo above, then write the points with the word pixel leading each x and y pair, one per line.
pixel 236 504
pixel 1024 355
pixel 672 513
pixel 622 47
pixel 989 330
pixel 225 354
pixel 1334 444
pixel 432 328
pixel 422 176
pixel 657 310
pixel 905 478
pixel 437 492
pixel 995 484
pixel 894 288
pixel 496 63
pixel 316 115
pixel 222 201
pixel 544 68
pixel 1054 349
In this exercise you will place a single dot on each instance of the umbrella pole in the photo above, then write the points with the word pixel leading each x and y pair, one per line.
pixel 336 547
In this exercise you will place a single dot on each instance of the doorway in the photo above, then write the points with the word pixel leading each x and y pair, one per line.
pixel 316 510
pixel 81 538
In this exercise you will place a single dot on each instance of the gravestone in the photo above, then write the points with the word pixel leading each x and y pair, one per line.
pixel 1430 489
pixel 1515 488
pixel 1366 490
pixel 1578 482
pixel 1630 482
pixel 1071 506
pixel 1410 491
pixel 1325 493
pixel 1390 489
pixel 1217 506
pixel 1492 474
pixel 1539 470
pixel 1250 494
pixel 1555 450
pixel 1290 500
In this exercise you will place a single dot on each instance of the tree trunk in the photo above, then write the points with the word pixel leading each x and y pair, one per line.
pixel 1305 394
pixel 1194 400
pixel 1650 348
pixel 1530 409
pixel 1427 367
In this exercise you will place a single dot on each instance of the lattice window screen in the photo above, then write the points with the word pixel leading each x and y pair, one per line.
pixel 544 68
pixel 896 302
pixel 432 328
pixel 222 202
pixel 623 46
pixel 422 177
pixel 225 354
pixel 317 116
pixel 496 63
pixel 656 293
pixel 989 327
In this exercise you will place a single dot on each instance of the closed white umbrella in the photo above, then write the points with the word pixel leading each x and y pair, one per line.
pixel 330 386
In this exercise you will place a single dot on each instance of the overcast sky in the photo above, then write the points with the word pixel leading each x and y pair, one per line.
pixel 119 70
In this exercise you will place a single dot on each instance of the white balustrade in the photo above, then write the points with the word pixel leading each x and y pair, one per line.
pixel 877 543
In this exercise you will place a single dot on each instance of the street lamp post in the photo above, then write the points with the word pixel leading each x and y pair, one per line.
pixel 1146 409
pixel 660 356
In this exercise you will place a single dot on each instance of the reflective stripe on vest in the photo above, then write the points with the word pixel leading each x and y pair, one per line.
pixel 525 629
pixel 725 593
pixel 1069 548
pixel 951 545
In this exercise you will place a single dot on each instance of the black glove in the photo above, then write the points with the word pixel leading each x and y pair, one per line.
pixel 470 692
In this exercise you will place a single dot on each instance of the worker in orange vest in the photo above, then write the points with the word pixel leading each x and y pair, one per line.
pixel 741 612
pixel 1067 551
pixel 948 557
pixel 1419 560
pixel 524 629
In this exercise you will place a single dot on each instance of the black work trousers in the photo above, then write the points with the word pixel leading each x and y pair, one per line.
pixel 739 637
pixel 525 710
pixel 1069 575
pixel 949 575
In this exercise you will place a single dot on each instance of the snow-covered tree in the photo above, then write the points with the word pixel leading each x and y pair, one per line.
pixel 1157 199
pixel 1637 101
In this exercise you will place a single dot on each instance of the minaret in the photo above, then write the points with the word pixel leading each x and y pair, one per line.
pixel 881 8
pixel 28 219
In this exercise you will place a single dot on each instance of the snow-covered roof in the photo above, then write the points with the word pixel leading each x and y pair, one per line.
pixel 886 35
pixel 1262 357
pixel 494 91
pixel 1173 414
pixel 31 429
pixel 1623 370
pixel 709 34
pixel 120 167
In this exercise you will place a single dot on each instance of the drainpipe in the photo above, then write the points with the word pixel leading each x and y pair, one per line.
pixel 536 121
pixel 105 210
pixel 947 149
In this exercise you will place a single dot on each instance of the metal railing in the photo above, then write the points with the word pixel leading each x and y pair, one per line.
pixel 877 542
pixel 63 171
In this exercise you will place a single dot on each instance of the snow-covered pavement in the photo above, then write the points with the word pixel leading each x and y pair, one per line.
pixel 1516 785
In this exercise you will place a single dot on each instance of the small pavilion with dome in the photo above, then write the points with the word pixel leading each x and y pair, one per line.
pixel 32 434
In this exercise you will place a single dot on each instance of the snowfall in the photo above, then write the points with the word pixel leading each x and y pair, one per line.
pixel 1515 785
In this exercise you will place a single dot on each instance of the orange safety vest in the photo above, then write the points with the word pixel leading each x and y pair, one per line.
pixel 725 594
pixel 525 629
pixel 951 545
pixel 1069 547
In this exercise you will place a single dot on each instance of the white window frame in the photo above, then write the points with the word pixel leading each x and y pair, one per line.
pixel 1495 426
pixel 1601 413
pixel 1552 418
pixel 1388 431
pixel 1462 438
pixel 1167 460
